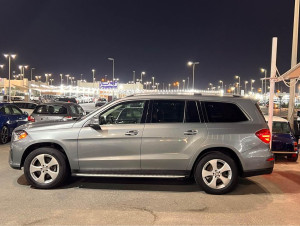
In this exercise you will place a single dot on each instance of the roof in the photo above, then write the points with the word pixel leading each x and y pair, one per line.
pixel 276 119
pixel 59 103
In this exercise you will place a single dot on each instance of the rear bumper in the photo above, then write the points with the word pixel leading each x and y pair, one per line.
pixel 252 173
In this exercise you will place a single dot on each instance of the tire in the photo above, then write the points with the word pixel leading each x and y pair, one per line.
pixel 4 135
pixel 216 181
pixel 51 175
pixel 292 159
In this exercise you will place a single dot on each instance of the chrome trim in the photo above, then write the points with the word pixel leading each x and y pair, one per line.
pixel 126 175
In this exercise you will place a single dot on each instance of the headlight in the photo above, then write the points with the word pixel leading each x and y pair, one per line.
pixel 19 135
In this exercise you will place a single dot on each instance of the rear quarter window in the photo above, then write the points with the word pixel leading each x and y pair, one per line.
pixel 222 112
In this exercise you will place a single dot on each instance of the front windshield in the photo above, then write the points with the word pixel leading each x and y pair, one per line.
pixel 281 127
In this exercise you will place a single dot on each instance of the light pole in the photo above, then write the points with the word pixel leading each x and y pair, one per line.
pixel 252 81
pixel 246 82
pixel 9 56
pixel 31 73
pixel 113 73
pixel 193 64
pixel 93 71
pixel 133 77
pixel 157 85
pixel 265 71
pixel 239 86
pixel 51 80
pixel 61 79
pixel 221 83
pixel 211 85
pixel 67 79
pixel 183 83
pixel 188 83
pixel 142 73
pixel 169 86
pixel 153 82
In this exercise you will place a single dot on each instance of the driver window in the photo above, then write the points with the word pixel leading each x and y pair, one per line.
pixel 124 113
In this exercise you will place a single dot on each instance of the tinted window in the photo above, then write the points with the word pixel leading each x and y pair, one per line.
pixel 281 127
pixel 191 112
pixel 5 110
pixel 166 111
pixel 79 109
pixel 16 111
pixel 51 109
pixel 224 112
pixel 74 110
pixel 124 113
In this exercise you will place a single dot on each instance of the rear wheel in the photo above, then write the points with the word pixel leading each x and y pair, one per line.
pixel 292 158
pixel 216 173
pixel 46 168
pixel 4 135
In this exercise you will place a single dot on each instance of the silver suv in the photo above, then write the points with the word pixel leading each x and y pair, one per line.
pixel 213 139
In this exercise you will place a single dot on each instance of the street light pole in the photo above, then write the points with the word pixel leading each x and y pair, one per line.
pixel 113 74
pixel 193 64
pixel 183 83
pixel 238 88
pixel 61 80
pixel 221 83
pixel 31 73
pixel 153 82
pixel 93 70
pixel 9 56
pixel 133 79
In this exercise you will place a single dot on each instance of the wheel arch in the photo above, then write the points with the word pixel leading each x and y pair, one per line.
pixel 35 146
pixel 224 150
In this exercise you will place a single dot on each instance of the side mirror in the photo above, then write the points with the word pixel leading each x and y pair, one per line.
pixel 94 123
pixel 102 120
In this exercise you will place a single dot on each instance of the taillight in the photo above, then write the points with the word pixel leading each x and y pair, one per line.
pixel 264 135
pixel 31 118
pixel 295 146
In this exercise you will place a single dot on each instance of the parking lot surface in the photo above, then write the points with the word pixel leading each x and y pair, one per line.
pixel 268 199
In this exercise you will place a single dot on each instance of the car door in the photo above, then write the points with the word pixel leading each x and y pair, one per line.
pixel 17 117
pixel 116 146
pixel 172 135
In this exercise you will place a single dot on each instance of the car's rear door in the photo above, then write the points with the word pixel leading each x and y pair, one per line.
pixel 171 136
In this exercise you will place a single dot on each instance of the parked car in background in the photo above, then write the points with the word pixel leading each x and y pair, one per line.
pixel 10 117
pixel 211 139
pixel 26 106
pixel 100 102
pixel 56 111
pixel 284 142
pixel 66 99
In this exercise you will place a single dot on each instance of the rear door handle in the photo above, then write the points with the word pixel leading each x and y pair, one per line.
pixel 132 133
pixel 191 132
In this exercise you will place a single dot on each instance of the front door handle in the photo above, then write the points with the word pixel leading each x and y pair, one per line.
pixel 132 133
pixel 191 132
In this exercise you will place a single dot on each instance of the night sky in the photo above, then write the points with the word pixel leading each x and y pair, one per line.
pixel 228 38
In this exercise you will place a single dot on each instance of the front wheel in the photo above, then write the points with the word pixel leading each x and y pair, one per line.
pixel 46 168
pixel 216 173
pixel 4 135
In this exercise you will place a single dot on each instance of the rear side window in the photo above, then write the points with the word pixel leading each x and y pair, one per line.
pixel 224 112
pixel 191 112
pixel 51 109
pixel 74 110
pixel 167 111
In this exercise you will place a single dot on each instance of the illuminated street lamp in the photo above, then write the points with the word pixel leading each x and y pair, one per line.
pixel 169 86
pixel 183 83
pixel 252 81
pixel 246 82
pixel 157 85
pixel 9 56
pixel 51 80
pixel 67 79
pixel 238 88
pixel 221 83
pixel 61 79
pixel 142 73
pixel 264 71
pixel 190 63
pixel 211 85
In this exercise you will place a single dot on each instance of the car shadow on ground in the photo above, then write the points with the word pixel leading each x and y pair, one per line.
pixel 245 186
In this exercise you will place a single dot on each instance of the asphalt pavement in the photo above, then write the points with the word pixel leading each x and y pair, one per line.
pixel 268 199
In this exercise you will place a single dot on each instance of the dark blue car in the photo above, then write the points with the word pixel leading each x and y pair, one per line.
pixel 10 117
pixel 284 142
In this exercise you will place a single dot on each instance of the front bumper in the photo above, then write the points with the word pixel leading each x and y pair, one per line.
pixel 11 163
